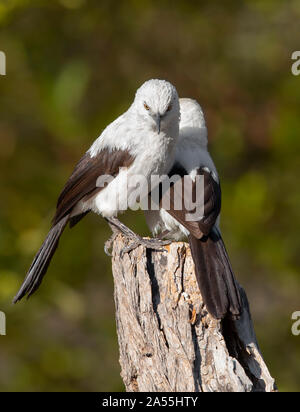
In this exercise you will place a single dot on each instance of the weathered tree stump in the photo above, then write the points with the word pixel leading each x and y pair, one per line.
pixel 167 340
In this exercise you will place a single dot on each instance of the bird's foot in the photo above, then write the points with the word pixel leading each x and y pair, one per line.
pixel 154 244
pixel 108 244
pixel 136 240
pixel 116 227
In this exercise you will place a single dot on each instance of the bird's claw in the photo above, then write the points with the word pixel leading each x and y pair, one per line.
pixel 154 244
pixel 108 244
pixel 136 240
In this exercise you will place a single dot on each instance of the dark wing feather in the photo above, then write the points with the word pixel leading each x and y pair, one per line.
pixel 41 261
pixel 76 219
pixel 211 198
pixel 212 202
pixel 82 183
pixel 83 180
pixel 219 288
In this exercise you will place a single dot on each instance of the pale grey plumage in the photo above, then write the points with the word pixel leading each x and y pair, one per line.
pixel 142 141
pixel 136 131
pixel 191 153
pixel 214 274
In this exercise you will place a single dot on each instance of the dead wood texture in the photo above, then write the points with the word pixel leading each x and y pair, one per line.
pixel 167 340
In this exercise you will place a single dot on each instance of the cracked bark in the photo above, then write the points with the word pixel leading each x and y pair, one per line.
pixel 167 340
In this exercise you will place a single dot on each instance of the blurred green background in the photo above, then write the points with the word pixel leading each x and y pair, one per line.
pixel 72 67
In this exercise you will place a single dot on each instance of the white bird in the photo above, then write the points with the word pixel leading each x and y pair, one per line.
pixel 142 141
pixel 216 280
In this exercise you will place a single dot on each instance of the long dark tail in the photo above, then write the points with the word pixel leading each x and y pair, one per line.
pixel 217 283
pixel 41 261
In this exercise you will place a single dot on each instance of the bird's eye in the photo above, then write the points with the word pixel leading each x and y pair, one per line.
pixel 146 106
pixel 169 108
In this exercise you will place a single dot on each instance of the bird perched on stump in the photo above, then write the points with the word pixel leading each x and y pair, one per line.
pixel 141 141
pixel 215 277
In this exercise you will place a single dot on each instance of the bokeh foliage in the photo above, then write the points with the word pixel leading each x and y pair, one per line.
pixel 72 67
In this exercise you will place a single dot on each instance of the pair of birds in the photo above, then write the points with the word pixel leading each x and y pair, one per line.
pixel 159 134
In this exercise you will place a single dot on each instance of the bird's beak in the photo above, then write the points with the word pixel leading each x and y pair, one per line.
pixel 158 120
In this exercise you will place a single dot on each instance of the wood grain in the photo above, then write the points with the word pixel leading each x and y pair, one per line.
pixel 167 340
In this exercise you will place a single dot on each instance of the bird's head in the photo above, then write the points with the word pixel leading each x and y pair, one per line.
pixel 192 121
pixel 157 101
